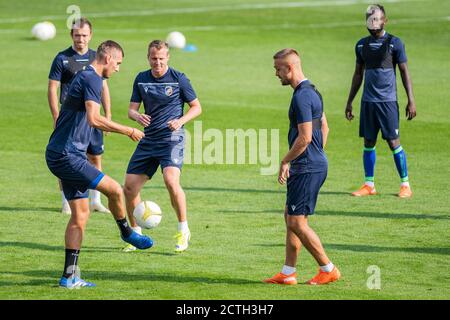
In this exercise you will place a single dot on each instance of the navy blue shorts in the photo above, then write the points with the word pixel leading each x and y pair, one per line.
pixel 77 175
pixel 151 154
pixel 302 192
pixel 96 144
pixel 379 115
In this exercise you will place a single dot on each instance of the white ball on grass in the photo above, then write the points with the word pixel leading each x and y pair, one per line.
pixel 176 40
pixel 44 31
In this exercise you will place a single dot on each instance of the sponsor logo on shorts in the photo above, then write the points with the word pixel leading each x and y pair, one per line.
pixel 293 208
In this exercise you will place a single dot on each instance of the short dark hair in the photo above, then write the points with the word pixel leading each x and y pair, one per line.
pixel 79 23
pixel 105 48
pixel 158 44
pixel 285 52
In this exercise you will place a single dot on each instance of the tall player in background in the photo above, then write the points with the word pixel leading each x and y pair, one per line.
pixel 64 67
pixel 376 59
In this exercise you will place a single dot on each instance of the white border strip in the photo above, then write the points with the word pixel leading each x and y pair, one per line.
pixel 256 28
pixel 249 28
pixel 285 26
pixel 236 7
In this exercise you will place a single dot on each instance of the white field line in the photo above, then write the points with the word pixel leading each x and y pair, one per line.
pixel 236 7
pixel 284 26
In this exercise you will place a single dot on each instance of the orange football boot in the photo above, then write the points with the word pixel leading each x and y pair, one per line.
pixel 405 192
pixel 325 277
pixel 281 278
pixel 365 190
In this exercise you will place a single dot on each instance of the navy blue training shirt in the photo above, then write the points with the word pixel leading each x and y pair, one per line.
pixel 306 106
pixel 73 132
pixel 380 83
pixel 66 64
pixel 163 100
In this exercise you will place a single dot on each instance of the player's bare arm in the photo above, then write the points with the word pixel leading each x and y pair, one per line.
pixel 52 95
pixel 300 144
pixel 106 102
pixel 325 130
pixel 134 114
pixel 195 109
pixel 96 120
pixel 406 79
pixel 357 79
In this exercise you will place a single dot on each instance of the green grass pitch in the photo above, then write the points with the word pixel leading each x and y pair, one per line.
pixel 235 214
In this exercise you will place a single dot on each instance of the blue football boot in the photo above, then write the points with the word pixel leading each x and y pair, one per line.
pixel 74 283
pixel 139 241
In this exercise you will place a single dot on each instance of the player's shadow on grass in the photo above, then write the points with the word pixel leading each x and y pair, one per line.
pixel 47 247
pixel 374 215
pixel 215 189
pixel 31 245
pixel 366 248
pixel 46 209
pixel 175 278
pixel 276 211
pixel 38 278
pixel 383 215
pixel 46 277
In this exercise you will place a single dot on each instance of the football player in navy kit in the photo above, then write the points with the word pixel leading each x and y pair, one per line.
pixel 163 91
pixel 377 57
pixel 64 67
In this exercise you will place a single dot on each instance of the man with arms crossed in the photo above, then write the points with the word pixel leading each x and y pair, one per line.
pixel 66 158
pixel 163 91
pixel 304 168
pixel 64 67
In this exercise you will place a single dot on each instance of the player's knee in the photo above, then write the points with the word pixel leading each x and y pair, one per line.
pixel 393 143
pixel 369 143
pixel 115 192
pixel 297 226
pixel 292 224
pixel 78 222
pixel 78 226
pixel 129 190
pixel 172 184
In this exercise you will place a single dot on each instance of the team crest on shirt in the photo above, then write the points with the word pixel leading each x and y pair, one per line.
pixel 168 90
